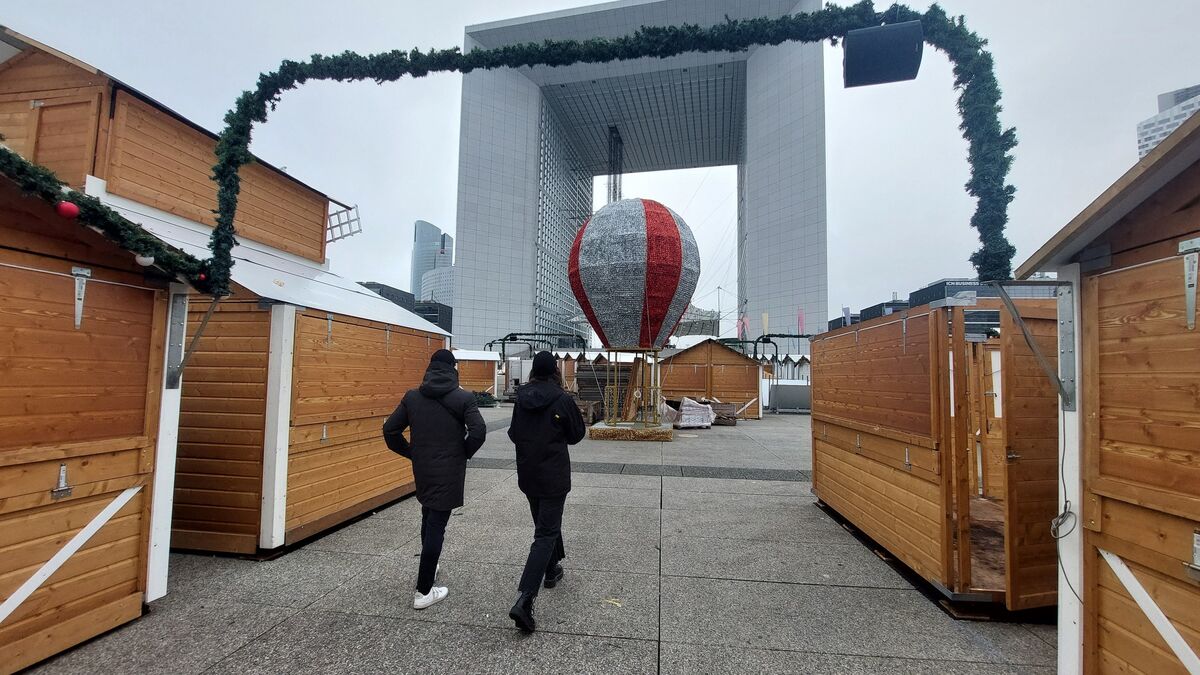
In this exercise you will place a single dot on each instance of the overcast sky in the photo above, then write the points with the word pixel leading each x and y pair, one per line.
pixel 1077 76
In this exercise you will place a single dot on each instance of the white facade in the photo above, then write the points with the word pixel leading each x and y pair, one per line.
pixel 437 285
pixel 532 139
pixel 1173 110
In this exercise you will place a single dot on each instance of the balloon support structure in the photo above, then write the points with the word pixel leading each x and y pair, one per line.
pixel 632 400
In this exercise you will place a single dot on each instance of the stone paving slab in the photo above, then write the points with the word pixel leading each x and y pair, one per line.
pixel 606 604
pixel 824 563
pixel 794 524
pixel 200 633
pixel 681 659
pixel 717 501
pixel 334 642
pixel 835 620
pixel 795 488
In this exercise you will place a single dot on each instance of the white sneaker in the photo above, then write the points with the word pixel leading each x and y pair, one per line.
pixel 435 595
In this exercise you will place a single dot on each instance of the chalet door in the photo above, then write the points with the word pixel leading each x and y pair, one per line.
pixel 1030 408
pixel 80 374
pixel 1141 489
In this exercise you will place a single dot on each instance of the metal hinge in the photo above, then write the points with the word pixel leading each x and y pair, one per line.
pixel 324 432
pixel 1193 568
pixel 907 460
pixel 328 328
pixel 990 393
pixel 62 489
pixel 1012 456
pixel 857 442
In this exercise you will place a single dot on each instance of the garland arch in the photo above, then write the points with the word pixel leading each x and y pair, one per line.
pixel 978 102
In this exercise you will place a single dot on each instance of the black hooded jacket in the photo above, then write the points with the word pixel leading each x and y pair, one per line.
pixel 437 413
pixel 545 421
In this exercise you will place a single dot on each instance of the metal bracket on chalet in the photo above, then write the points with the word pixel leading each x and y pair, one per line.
pixel 328 328
pixel 1193 568
pixel 342 224
pixel 81 274
pixel 62 489
pixel 907 460
pixel 176 326
pixel 1190 250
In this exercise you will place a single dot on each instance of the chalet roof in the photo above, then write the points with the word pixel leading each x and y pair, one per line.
pixel 267 272
pixel 1170 158
pixel 13 44
pixel 674 353
pixel 475 355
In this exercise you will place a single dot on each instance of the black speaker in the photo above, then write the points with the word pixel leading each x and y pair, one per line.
pixel 882 54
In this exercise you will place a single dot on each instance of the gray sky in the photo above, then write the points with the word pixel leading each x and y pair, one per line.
pixel 1077 76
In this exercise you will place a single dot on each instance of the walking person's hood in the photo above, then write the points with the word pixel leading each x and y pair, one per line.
pixel 538 395
pixel 440 379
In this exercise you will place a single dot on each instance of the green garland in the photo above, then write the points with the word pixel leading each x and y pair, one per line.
pixel 978 103
pixel 41 182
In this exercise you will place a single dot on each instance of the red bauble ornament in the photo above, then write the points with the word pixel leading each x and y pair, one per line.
pixel 67 209
pixel 202 276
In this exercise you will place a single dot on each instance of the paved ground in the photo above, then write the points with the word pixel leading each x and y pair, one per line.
pixel 665 574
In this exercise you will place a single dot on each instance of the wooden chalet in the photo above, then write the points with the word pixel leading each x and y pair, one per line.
pixel 293 375
pixel 479 371
pixel 1127 267
pixel 88 416
pixel 711 370
pixel 940 445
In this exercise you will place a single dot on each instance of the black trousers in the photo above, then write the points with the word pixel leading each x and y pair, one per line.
pixel 547 549
pixel 433 533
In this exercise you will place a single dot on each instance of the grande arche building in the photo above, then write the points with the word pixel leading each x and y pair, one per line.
pixel 533 139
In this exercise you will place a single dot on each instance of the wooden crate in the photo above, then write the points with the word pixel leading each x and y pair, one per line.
pixel 897 404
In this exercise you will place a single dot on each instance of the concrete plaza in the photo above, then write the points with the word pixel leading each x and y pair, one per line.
pixel 666 572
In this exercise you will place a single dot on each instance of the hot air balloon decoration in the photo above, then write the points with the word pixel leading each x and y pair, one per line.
pixel 633 268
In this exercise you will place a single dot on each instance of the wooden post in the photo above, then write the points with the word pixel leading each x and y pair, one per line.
pixel 962 483
pixel 940 430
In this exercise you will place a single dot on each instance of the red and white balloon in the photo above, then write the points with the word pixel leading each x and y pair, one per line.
pixel 633 268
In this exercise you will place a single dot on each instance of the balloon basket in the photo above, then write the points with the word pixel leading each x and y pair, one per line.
pixel 632 398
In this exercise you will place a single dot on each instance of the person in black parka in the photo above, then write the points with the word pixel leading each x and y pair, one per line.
pixel 438 412
pixel 545 421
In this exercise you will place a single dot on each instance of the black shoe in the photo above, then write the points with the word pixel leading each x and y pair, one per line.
pixel 554 576
pixel 522 613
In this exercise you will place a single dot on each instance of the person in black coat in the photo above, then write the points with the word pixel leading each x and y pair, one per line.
pixel 545 421
pixel 437 412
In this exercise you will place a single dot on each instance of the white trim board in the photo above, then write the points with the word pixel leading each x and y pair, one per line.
pixel 165 453
pixel 277 428
pixel 52 565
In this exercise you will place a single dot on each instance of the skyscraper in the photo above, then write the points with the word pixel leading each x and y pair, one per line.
pixel 1174 107
pixel 431 249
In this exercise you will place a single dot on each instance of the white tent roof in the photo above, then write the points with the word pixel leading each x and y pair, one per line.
pixel 475 355
pixel 266 272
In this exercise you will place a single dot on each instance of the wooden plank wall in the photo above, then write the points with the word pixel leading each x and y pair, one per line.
pixel 686 373
pixel 710 370
pixel 348 376
pixel 218 479
pixel 1031 434
pixel 86 399
pixel 735 379
pixel 160 161
pixel 874 453
pixel 1142 472
pixel 51 113
pixel 477 376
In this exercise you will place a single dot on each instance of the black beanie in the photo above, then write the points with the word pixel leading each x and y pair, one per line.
pixel 444 356
pixel 544 365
